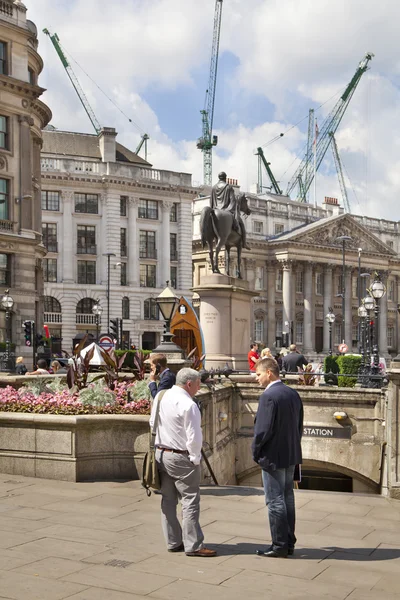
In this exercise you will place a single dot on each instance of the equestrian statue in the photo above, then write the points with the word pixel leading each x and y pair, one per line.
pixel 221 222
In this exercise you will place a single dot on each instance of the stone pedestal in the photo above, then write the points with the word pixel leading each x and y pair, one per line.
pixel 225 319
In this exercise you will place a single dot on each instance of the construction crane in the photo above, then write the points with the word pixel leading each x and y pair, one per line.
pixel 81 94
pixel 262 161
pixel 338 164
pixel 305 173
pixel 208 140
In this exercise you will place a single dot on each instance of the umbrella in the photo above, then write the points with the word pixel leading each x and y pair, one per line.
pixel 97 357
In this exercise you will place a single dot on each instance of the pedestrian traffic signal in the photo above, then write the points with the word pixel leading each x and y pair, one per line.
pixel 114 329
pixel 28 327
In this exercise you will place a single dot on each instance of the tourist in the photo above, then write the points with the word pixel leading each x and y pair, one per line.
pixel 178 444
pixel 266 353
pixel 159 370
pixel 58 369
pixel 277 449
pixel 252 357
pixel 294 359
pixel 20 369
pixel 41 368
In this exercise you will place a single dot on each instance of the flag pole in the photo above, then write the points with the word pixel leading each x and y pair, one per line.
pixel 315 164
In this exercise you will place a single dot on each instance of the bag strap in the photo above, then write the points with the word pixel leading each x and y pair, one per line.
pixel 156 417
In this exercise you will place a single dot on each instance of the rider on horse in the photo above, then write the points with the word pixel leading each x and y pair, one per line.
pixel 223 197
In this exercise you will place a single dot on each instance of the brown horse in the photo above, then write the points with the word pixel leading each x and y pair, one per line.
pixel 218 225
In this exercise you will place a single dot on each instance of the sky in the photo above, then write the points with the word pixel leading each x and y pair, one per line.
pixel 278 59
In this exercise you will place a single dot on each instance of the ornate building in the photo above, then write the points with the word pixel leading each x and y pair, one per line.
pixel 22 116
pixel 296 265
pixel 99 199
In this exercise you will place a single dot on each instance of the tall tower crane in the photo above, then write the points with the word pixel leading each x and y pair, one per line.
pixel 81 94
pixel 208 140
pixel 339 170
pixel 262 161
pixel 304 173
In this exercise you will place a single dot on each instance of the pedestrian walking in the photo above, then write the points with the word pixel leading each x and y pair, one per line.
pixel 253 357
pixel 277 449
pixel 159 370
pixel 178 453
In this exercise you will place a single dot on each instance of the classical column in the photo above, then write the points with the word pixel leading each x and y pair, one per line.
pixel 133 243
pixel 382 324
pixel 287 295
pixel 164 256
pixel 67 241
pixel 308 308
pixel 328 303
pixel 271 327
pixel 25 192
pixel 348 333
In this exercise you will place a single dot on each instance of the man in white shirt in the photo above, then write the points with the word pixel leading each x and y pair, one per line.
pixel 179 440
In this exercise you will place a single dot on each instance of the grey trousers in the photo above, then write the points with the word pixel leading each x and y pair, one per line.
pixel 180 480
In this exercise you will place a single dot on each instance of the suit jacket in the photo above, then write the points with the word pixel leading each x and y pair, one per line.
pixel 167 380
pixel 293 360
pixel 278 428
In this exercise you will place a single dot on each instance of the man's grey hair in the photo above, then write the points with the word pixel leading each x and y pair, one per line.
pixel 185 375
pixel 292 347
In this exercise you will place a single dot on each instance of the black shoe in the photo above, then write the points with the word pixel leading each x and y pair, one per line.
pixel 179 548
pixel 272 553
pixel 290 551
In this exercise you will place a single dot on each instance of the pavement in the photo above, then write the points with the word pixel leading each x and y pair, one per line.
pixel 103 541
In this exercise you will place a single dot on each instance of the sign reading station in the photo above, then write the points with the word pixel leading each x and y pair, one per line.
pixel 343 433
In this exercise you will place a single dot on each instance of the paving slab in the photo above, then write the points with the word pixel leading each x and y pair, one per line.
pixel 19 586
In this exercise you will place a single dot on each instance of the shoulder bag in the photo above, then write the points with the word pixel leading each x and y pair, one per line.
pixel 150 474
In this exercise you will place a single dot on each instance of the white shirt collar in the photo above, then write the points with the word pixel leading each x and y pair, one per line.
pixel 272 383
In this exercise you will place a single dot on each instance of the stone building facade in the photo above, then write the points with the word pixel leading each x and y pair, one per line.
pixel 22 116
pixel 296 265
pixel 100 198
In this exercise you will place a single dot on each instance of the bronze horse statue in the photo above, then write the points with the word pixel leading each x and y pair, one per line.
pixel 219 225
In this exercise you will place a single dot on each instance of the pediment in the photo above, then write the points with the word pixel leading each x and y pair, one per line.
pixel 325 234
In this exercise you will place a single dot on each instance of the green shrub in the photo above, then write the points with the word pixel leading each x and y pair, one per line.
pixel 348 364
pixel 331 366
pixel 128 362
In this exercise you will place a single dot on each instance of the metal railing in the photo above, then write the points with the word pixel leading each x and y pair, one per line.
pixel 148 253
pixel 7 364
pixel 174 255
pixel 124 250
pixel 90 249
pixel 51 246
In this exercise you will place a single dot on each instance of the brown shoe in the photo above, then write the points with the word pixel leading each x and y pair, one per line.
pixel 205 552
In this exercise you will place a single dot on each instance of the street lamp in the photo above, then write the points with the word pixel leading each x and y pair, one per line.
pixel 359 297
pixel 109 255
pixel 330 317
pixel 167 303
pixel 343 239
pixel 97 311
pixel 377 291
pixel 369 304
pixel 362 315
pixel 7 302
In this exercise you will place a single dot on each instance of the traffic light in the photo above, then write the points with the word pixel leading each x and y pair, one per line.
pixel 27 326
pixel 114 329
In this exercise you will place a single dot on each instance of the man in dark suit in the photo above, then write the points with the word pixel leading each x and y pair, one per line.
pixel 159 370
pixel 277 449
pixel 293 360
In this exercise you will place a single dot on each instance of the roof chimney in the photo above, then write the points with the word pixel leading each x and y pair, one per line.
pixel 108 145
pixel 332 206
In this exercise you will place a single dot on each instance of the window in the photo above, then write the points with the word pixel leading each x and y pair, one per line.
pixel 173 245
pixel 123 274
pixel 147 244
pixel 50 270
pixel 124 249
pixel 259 330
pixel 390 244
pixel 300 282
pixel 390 336
pixel 125 308
pixel 50 200
pixel 86 239
pixel 148 209
pixel 3 59
pixel 49 233
pixel 56 341
pixel 278 330
pixel 86 271
pixel 319 284
pixel 173 215
pixel 5 269
pixel 299 332
pixel 278 228
pixel 32 76
pixel 174 277
pixel 148 276
pixel 87 203
pixel 4 141
pixel 391 290
pixel 259 281
pixel 338 334
pixel 51 305
pixel 354 334
pixel 339 287
pixel 4 199
pixel 258 227
pixel 279 280
pixel 151 309
pixel 85 306
pixel 123 203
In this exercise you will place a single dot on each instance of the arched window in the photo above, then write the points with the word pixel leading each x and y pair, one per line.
pixel 51 305
pixel 125 308
pixel 150 309
pixel 85 306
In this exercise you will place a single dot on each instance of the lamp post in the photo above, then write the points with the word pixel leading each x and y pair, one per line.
pixel 369 304
pixel 362 315
pixel 109 255
pixel 359 297
pixel 377 291
pixel 330 317
pixel 7 302
pixel 343 239
pixel 167 303
pixel 97 311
